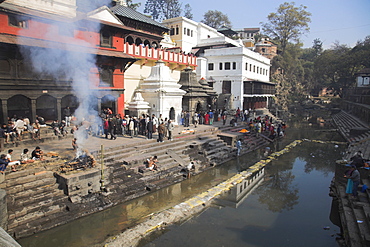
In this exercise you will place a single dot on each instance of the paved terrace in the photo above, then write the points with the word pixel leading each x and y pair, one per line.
pixel 355 213
pixel 63 145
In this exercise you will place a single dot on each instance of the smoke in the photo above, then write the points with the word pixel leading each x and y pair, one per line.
pixel 68 59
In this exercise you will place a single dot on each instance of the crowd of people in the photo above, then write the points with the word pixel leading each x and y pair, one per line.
pixel 25 157
pixel 16 127
pixel 114 125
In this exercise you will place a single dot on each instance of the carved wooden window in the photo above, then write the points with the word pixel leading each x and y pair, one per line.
pixel 106 38
pixel 106 76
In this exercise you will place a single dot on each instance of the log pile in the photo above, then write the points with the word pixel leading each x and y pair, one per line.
pixel 82 162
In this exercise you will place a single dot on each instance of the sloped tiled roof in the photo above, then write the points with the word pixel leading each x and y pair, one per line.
pixel 134 15
pixel 364 71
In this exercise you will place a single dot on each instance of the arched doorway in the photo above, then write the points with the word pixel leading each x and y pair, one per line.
pixel 199 107
pixel 46 107
pixel 20 106
pixel 109 101
pixel 172 114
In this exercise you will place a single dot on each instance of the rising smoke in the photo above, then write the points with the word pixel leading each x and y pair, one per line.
pixel 72 61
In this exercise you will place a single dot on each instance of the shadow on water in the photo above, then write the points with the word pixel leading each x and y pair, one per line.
pixel 272 203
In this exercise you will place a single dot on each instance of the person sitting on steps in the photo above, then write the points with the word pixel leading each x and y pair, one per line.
pixel 3 163
pixel 37 154
pixel 25 157
pixel 152 163
pixel 11 162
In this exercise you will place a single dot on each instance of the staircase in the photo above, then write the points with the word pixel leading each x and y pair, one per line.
pixel 33 200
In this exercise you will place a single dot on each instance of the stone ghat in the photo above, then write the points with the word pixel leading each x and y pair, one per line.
pixel 41 197
pixel 354 213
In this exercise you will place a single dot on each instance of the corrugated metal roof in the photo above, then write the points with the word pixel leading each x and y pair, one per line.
pixel 134 15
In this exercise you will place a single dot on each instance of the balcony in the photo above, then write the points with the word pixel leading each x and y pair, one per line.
pixel 146 52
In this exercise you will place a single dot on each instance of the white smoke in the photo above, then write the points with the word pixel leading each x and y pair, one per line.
pixel 71 61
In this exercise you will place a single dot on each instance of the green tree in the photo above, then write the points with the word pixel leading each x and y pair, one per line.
pixel 287 24
pixel 162 9
pixel 216 19
pixel 187 12
pixel 132 5
pixel 307 59
pixel 336 68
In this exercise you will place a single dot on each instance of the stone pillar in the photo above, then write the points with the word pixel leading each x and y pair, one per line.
pixel 59 109
pixel 5 110
pixel 33 110
pixel 3 207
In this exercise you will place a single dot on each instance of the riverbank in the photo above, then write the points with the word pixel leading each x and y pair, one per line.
pixel 41 196
pixel 354 212
pixel 195 205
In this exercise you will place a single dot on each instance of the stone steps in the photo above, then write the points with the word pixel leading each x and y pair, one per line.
pixel 36 202
pixel 129 153
pixel 47 134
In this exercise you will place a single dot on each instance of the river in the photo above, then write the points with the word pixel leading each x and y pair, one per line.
pixel 291 206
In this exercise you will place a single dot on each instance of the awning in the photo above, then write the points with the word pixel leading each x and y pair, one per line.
pixel 194 50
pixel 26 41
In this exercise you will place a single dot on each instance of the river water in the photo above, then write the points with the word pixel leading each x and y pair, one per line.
pixel 290 207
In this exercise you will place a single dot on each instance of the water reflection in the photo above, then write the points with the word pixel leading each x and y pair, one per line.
pixel 265 210
pixel 289 208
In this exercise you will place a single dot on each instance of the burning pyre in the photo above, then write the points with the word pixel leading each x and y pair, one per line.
pixel 81 162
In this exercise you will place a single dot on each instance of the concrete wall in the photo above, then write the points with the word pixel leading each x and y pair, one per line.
pixel 6 240
pixel 3 210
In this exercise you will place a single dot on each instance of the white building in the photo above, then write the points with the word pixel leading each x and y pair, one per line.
pixel 239 75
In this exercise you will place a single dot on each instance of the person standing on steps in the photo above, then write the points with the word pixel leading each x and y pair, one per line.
pixel 211 116
pixel 171 128
pixel 149 128
pixel 160 132
pixel 195 119
pixel 354 175
pixel 239 147
pixel 131 127
pixel 67 116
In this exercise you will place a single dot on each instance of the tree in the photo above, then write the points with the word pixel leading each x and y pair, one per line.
pixel 163 9
pixel 287 24
pixel 187 12
pixel 216 19
pixel 132 5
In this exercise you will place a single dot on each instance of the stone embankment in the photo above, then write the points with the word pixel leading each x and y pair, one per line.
pixel 39 196
pixel 354 213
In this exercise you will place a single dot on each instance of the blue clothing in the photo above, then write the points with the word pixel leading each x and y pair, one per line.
pixel 3 164
pixel 239 146
pixel 349 186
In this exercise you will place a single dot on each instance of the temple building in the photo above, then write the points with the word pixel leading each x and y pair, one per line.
pixel 199 95
pixel 58 54
pixel 162 92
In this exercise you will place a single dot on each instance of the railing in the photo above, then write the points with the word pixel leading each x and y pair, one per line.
pixel 156 54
